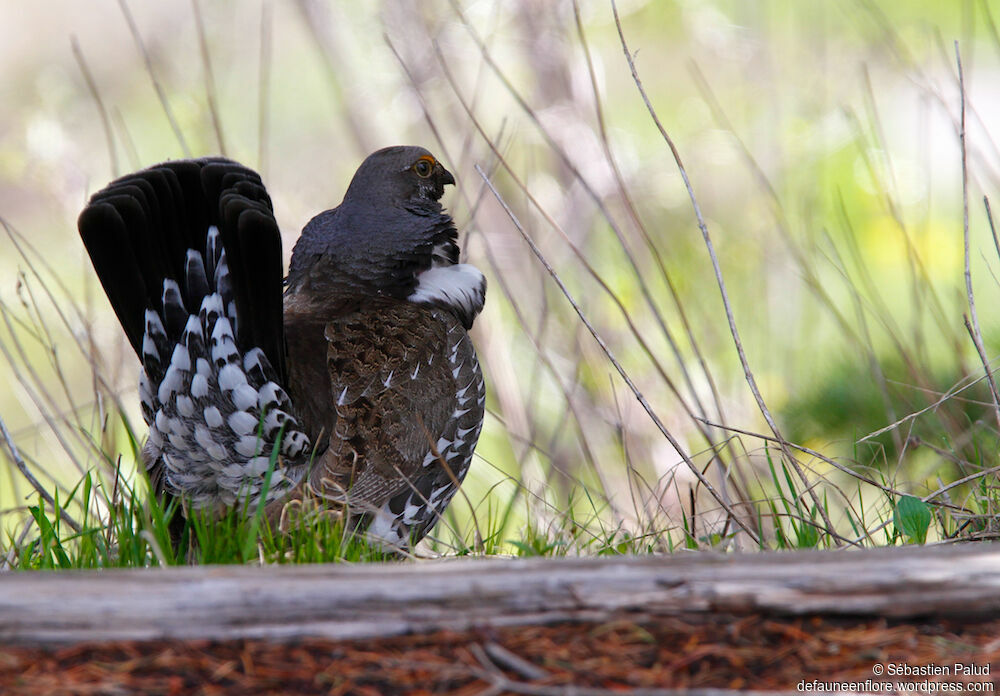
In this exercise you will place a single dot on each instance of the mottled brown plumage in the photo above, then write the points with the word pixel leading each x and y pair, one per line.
pixel 405 401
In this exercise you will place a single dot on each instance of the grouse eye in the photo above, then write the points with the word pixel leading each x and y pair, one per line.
pixel 423 167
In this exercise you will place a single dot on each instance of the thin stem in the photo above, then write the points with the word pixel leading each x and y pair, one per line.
pixel 748 373
pixel 973 328
pixel 210 90
pixel 92 87
pixel 160 92
pixel 614 361
pixel 19 462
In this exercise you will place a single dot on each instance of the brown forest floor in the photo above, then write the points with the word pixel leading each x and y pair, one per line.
pixel 749 652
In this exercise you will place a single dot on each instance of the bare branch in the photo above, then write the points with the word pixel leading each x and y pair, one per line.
pixel 748 373
pixel 210 90
pixel 19 462
pixel 614 361
pixel 157 85
pixel 95 93
pixel 974 331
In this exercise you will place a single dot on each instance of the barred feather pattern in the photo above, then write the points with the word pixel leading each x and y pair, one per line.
pixel 215 414
pixel 408 515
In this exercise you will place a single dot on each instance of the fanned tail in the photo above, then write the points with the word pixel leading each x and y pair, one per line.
pixel 189 255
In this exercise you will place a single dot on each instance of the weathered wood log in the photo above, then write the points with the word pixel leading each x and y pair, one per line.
pixel 343 601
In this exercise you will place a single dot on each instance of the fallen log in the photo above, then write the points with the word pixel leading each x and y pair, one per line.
pixel 362 601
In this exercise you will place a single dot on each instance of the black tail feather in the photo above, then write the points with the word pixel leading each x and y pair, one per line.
pixel 107 230
pixel 138 231
pixel 256 255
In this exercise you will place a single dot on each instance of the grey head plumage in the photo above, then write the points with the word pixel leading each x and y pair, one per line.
pixel 389 228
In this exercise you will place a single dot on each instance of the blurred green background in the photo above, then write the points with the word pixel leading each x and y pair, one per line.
pixel 821 141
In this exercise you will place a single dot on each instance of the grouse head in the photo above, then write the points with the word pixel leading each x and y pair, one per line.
pixel 404 176
pixel 390 236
